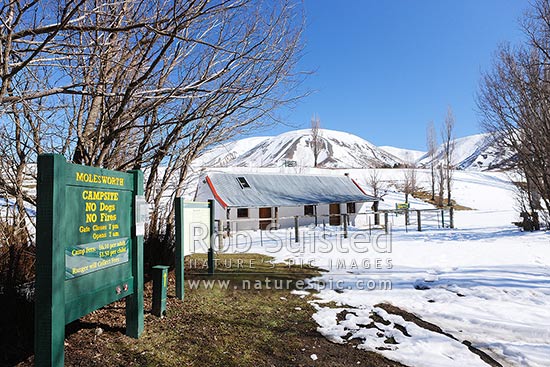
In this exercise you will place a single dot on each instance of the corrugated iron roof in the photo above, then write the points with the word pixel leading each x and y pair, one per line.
pixel 269 190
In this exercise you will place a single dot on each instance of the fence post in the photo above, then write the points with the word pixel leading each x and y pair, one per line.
pixel 324 230
pixel 316 218
pixel 370 228
pixel 451 217
pixel 345 225
pixel 386 221
pixel 261 238
pixel 219 235
pixel 442 218
pixel 296 230
pixel 419 220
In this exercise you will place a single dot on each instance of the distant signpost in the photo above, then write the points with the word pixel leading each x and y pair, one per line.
pixel 89 249
pixel 401 206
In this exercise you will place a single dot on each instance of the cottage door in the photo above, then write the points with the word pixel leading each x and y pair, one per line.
pixel 334 211
pixel 265 213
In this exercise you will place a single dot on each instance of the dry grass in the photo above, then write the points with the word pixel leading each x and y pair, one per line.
pixel 427 197
pixel 217 326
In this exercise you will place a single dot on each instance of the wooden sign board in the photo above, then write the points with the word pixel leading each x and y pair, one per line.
pixel 194 234
pixel 89 249
pixel 196 224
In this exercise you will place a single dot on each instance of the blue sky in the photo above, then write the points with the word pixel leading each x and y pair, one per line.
pixel 384 69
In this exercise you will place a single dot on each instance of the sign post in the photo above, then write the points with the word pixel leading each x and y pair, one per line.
pixel 89 249
pixel 180 252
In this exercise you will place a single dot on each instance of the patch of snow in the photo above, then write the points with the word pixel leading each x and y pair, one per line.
pixel 484 282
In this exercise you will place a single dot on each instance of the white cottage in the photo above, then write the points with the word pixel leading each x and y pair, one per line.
pixel 259 201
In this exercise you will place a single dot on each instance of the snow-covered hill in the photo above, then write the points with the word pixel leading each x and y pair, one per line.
pixel 338 150
pixel 225 154
pixel 345 150
pixel 476 152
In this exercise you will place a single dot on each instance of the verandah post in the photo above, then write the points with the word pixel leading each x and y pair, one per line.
pixel 296 230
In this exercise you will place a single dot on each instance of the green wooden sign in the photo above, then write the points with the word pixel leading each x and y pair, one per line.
pixel 401 206
pixel 89 249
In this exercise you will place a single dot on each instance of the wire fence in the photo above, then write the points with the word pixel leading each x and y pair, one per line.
pixel 333 225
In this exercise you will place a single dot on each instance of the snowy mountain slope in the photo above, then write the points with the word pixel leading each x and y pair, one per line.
pixel 338 150
pixel 476 152
pixel 344 150
pixel 225 153
pixel 405 155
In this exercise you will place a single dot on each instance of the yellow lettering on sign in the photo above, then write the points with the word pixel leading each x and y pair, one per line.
pixel 99 195
pixel 78 252
pixel 107 207
pixel 99 179
pixel 80 270
pixel 98 236
pixel 107 217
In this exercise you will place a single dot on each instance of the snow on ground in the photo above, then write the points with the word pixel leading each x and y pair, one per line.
pixel 489 286
pixel 484 282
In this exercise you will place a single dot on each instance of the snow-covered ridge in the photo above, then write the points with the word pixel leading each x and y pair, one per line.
pixel 475 152
pixel 338 150
pixel 345 150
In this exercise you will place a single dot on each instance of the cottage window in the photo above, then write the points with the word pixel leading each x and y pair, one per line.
pixel 351 208
pixel 242 213
pixel 309 210
pixel 243 182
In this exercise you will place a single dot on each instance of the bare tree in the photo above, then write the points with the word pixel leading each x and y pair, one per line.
pixel 410 184
pixel 447 136
pixel 378 189
pixel 316 140
pixel 431 144
pixel 440 181
pixel 515 101
pixel 139 85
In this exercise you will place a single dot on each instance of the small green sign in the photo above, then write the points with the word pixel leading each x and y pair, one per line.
pixel 89 249
pixel 401 206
